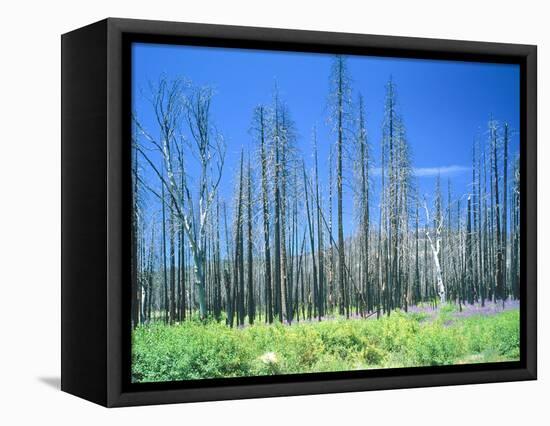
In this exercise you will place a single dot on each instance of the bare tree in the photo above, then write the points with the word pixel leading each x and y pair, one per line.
pixel 435 246
pixel 250 282
pixel 340 100
pixel 173 101
pixel 362 175
pixel 260 128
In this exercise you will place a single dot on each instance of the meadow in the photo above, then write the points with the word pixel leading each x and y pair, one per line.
pixel 423 336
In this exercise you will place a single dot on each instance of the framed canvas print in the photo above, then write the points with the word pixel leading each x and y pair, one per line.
pixel 253 212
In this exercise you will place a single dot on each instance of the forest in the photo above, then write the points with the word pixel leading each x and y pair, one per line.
pixel 275 258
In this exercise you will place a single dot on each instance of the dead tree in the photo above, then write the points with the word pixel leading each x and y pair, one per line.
pixel 174 101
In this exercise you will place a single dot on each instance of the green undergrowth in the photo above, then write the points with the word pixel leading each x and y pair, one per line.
pixel 195 350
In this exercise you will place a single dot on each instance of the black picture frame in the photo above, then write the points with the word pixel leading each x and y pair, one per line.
pixel 96 201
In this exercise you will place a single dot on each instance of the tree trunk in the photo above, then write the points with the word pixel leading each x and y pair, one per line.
pixel 344 307
pixel 251 308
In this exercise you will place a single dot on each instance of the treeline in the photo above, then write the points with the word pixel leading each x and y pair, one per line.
pixel 275 250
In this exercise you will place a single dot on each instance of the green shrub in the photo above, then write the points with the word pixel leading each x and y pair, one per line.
pixel 498 333
pixel 397 331
pixel 195 349
pixel 342 337
pixel 374 356
pixel 189 351
pixel 436 345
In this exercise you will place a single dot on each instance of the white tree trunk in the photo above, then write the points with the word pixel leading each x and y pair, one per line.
pixel 439 277
pixel 435 252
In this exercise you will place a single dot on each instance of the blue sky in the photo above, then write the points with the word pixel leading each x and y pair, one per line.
pixel 444 104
